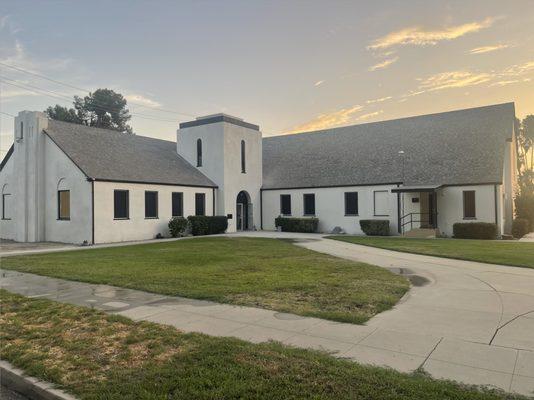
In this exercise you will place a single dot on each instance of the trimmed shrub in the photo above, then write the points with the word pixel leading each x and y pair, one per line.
pixel 474 230
pixel 305 225
pixel 375 227
pixel 207 225
pixel 520 227
pixel 178 226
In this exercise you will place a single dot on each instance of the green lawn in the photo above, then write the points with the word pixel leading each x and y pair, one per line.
pixel 520 254
pixel 267 273
pixel 98 356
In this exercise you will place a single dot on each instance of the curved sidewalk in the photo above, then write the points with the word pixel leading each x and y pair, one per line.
pixel 465 321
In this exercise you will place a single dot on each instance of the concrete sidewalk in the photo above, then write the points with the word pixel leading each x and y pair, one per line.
pixel 469 322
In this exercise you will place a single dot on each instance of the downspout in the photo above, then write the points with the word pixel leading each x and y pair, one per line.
pixel 436 209
pixel 495 202
pixel 213 201
pixel 261 209
pixel 398 212
pixel 92 209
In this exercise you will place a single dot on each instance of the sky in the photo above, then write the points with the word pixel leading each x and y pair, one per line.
pixel 288 66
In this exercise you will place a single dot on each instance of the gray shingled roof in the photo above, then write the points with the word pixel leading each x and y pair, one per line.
pixel 457 147
pixel 103 154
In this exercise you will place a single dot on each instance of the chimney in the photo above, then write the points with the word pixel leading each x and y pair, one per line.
pixel 28 158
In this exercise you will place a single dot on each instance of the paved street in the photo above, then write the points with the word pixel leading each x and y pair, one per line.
pixel 465 321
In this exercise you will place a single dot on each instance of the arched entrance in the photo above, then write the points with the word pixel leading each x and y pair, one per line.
pixel 243 212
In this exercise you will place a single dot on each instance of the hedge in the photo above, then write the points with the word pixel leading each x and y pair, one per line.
pixel 375 227
pixel 178 226
pixel 474 230
pixel 520 227
pixel 207 225
pixel 306 225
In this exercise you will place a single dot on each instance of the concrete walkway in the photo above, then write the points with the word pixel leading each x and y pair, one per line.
pixel 529 237
pixel 465 321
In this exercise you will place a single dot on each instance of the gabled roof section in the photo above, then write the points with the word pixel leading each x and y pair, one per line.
pixel 456 147
pixel 104 154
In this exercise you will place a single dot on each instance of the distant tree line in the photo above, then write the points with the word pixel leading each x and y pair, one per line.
pixel 524 200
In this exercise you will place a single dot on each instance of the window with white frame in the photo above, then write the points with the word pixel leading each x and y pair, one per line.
pixel 6 206
pixel 63 205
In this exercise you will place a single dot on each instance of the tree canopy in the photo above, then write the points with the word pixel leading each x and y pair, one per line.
pixel 104 108
pixel 525 153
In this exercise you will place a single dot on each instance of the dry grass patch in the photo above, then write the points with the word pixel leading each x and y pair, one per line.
pixel 97 356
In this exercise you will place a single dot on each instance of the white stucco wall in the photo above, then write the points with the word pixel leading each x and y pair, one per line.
pixel 32 174
pixel 330 207
pixel 221 162
pixel 450 206
pixel 62 174
pixel 8 226
pixel 137 227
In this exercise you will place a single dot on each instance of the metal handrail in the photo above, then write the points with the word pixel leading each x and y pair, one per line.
pixel 411 221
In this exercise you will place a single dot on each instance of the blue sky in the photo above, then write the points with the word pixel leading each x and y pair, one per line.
pixel 286 65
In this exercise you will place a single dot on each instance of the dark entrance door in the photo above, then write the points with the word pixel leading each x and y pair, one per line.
pixel 242 211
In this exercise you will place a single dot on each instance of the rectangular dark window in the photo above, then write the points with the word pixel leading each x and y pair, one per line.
pixel 243 159
pixel 351 203
pixel 151 204
pixel 469 204
pixel 199 152
pixel 285 204
pixel 63 204
pixel 6 200
pixel 121 201
pixel 309 203
pixel 177 204
pixel 200 204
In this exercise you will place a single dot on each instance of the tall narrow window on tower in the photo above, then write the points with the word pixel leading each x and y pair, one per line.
pixel 243 159
pixel 20 134
pixel 199 153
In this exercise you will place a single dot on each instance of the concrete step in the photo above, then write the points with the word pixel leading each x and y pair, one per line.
pixel 421 233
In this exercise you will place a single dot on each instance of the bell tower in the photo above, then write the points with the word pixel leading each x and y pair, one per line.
pixel 227 150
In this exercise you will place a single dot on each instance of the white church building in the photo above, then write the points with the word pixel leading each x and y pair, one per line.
pixel 63 182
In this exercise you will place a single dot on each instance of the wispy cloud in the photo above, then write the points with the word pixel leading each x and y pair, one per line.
pixel 318 83
pixel 8 94
pixel 140 99
pixel 380 100
pixel 369 115
pixel 488 49
pixel 454 79
pixel 328 120
pixel 383 64
pixel 7 24
pixel 518 69
pixel 464 78
pixel 422 37
pixel 505 83
pixel 18 56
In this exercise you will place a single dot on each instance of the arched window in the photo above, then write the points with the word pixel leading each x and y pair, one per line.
pixel 243 160
pixel 199 153
pixel 63 200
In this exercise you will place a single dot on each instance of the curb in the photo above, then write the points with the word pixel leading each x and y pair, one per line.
pixel 33 388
